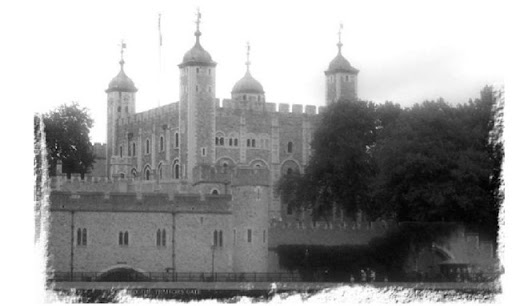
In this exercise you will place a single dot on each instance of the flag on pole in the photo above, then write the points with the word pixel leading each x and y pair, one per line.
pixel 159 29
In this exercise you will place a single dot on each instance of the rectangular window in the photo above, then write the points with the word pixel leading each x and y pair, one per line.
pixel 264 235
pixel 203 151
pixel 249 235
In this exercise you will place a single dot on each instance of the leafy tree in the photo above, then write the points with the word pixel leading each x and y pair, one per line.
pixel 67 139
pixel 437 164
pixel 341 166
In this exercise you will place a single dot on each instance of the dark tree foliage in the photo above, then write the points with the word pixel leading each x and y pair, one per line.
pixel 67 139
pixel 341 166
pixel 386 255
pixel 432 162
pixel 437 163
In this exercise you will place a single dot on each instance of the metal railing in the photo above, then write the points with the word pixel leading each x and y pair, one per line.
pixel 134 276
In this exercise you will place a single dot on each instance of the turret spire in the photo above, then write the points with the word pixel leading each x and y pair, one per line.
pixel 248 62
pixel 198 21
pixel 339 38
pixel 123 46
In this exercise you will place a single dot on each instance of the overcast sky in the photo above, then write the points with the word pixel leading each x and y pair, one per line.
pixel 406 51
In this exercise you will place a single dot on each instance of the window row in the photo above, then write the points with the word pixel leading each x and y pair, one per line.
pixel 161 237
pixel 147 148
pixel 231 142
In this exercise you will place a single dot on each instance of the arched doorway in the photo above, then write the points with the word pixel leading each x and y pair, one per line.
pixel 123 274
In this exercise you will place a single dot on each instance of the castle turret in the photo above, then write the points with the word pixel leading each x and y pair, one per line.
pixel 248 89
pixel 197 108
pixel 341 77
pixel 121 104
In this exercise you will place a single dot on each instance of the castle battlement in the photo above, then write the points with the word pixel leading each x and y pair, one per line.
pixel 145 202
pixel 240 176
pixel 150 114
pixel 325 233
pixel 271 107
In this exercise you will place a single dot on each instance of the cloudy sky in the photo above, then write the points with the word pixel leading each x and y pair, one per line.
pixel 406 51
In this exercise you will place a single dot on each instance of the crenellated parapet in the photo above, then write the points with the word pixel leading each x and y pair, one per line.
pixel 116 184
pixel 145 202
pixel 326 233
pixel 151 114
pixel 269 107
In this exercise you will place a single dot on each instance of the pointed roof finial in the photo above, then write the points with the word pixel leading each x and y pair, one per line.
pixel 248 62
pixel 339 38
pixel 198 21
pixel 123 46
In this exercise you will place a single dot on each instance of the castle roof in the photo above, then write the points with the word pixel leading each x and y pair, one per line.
pixel 121 82
pixel 248 85
pixel 340 63
pixel 197 55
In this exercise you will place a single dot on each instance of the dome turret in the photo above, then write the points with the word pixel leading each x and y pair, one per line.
pixel 121 82
pixel 248 88
pixel 197 56
pixel 340 63
pixel 248 85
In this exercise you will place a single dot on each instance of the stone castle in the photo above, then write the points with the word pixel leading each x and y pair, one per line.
pixel 190 186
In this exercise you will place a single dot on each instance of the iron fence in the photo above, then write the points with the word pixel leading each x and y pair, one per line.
pixel 242 277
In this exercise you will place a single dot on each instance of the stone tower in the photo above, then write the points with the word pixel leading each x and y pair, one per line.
pixel 120 104
pixel 196 109
pixel 251 195
pixel 340 77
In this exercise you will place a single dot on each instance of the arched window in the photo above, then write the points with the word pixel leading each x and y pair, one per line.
pixel 84 236
pixel 220 238
pixel 134 172
pixel 158 238
pixel 236 142
pixel 120 238
pixel 176 140
pixel 177 171
pixel 249 235
pixel 147 146
pixel 248 142
pixel 133 149
pixel 161 143
pixel 215 192
pixel 215 238
pixel 148 174
pixel 164 238
pixel 121 175
pixel 160 172
pixel 230 142
pixel 290 147
pixel 125 238
pixel 216 141
pixel 79 237
pixel 253 142
pixel 221 141
pixel 121 151
pixel 289 171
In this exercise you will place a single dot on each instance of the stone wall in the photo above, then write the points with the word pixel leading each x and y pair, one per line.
pixel 189 223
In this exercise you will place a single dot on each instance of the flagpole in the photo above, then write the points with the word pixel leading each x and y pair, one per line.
pixel 159 58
